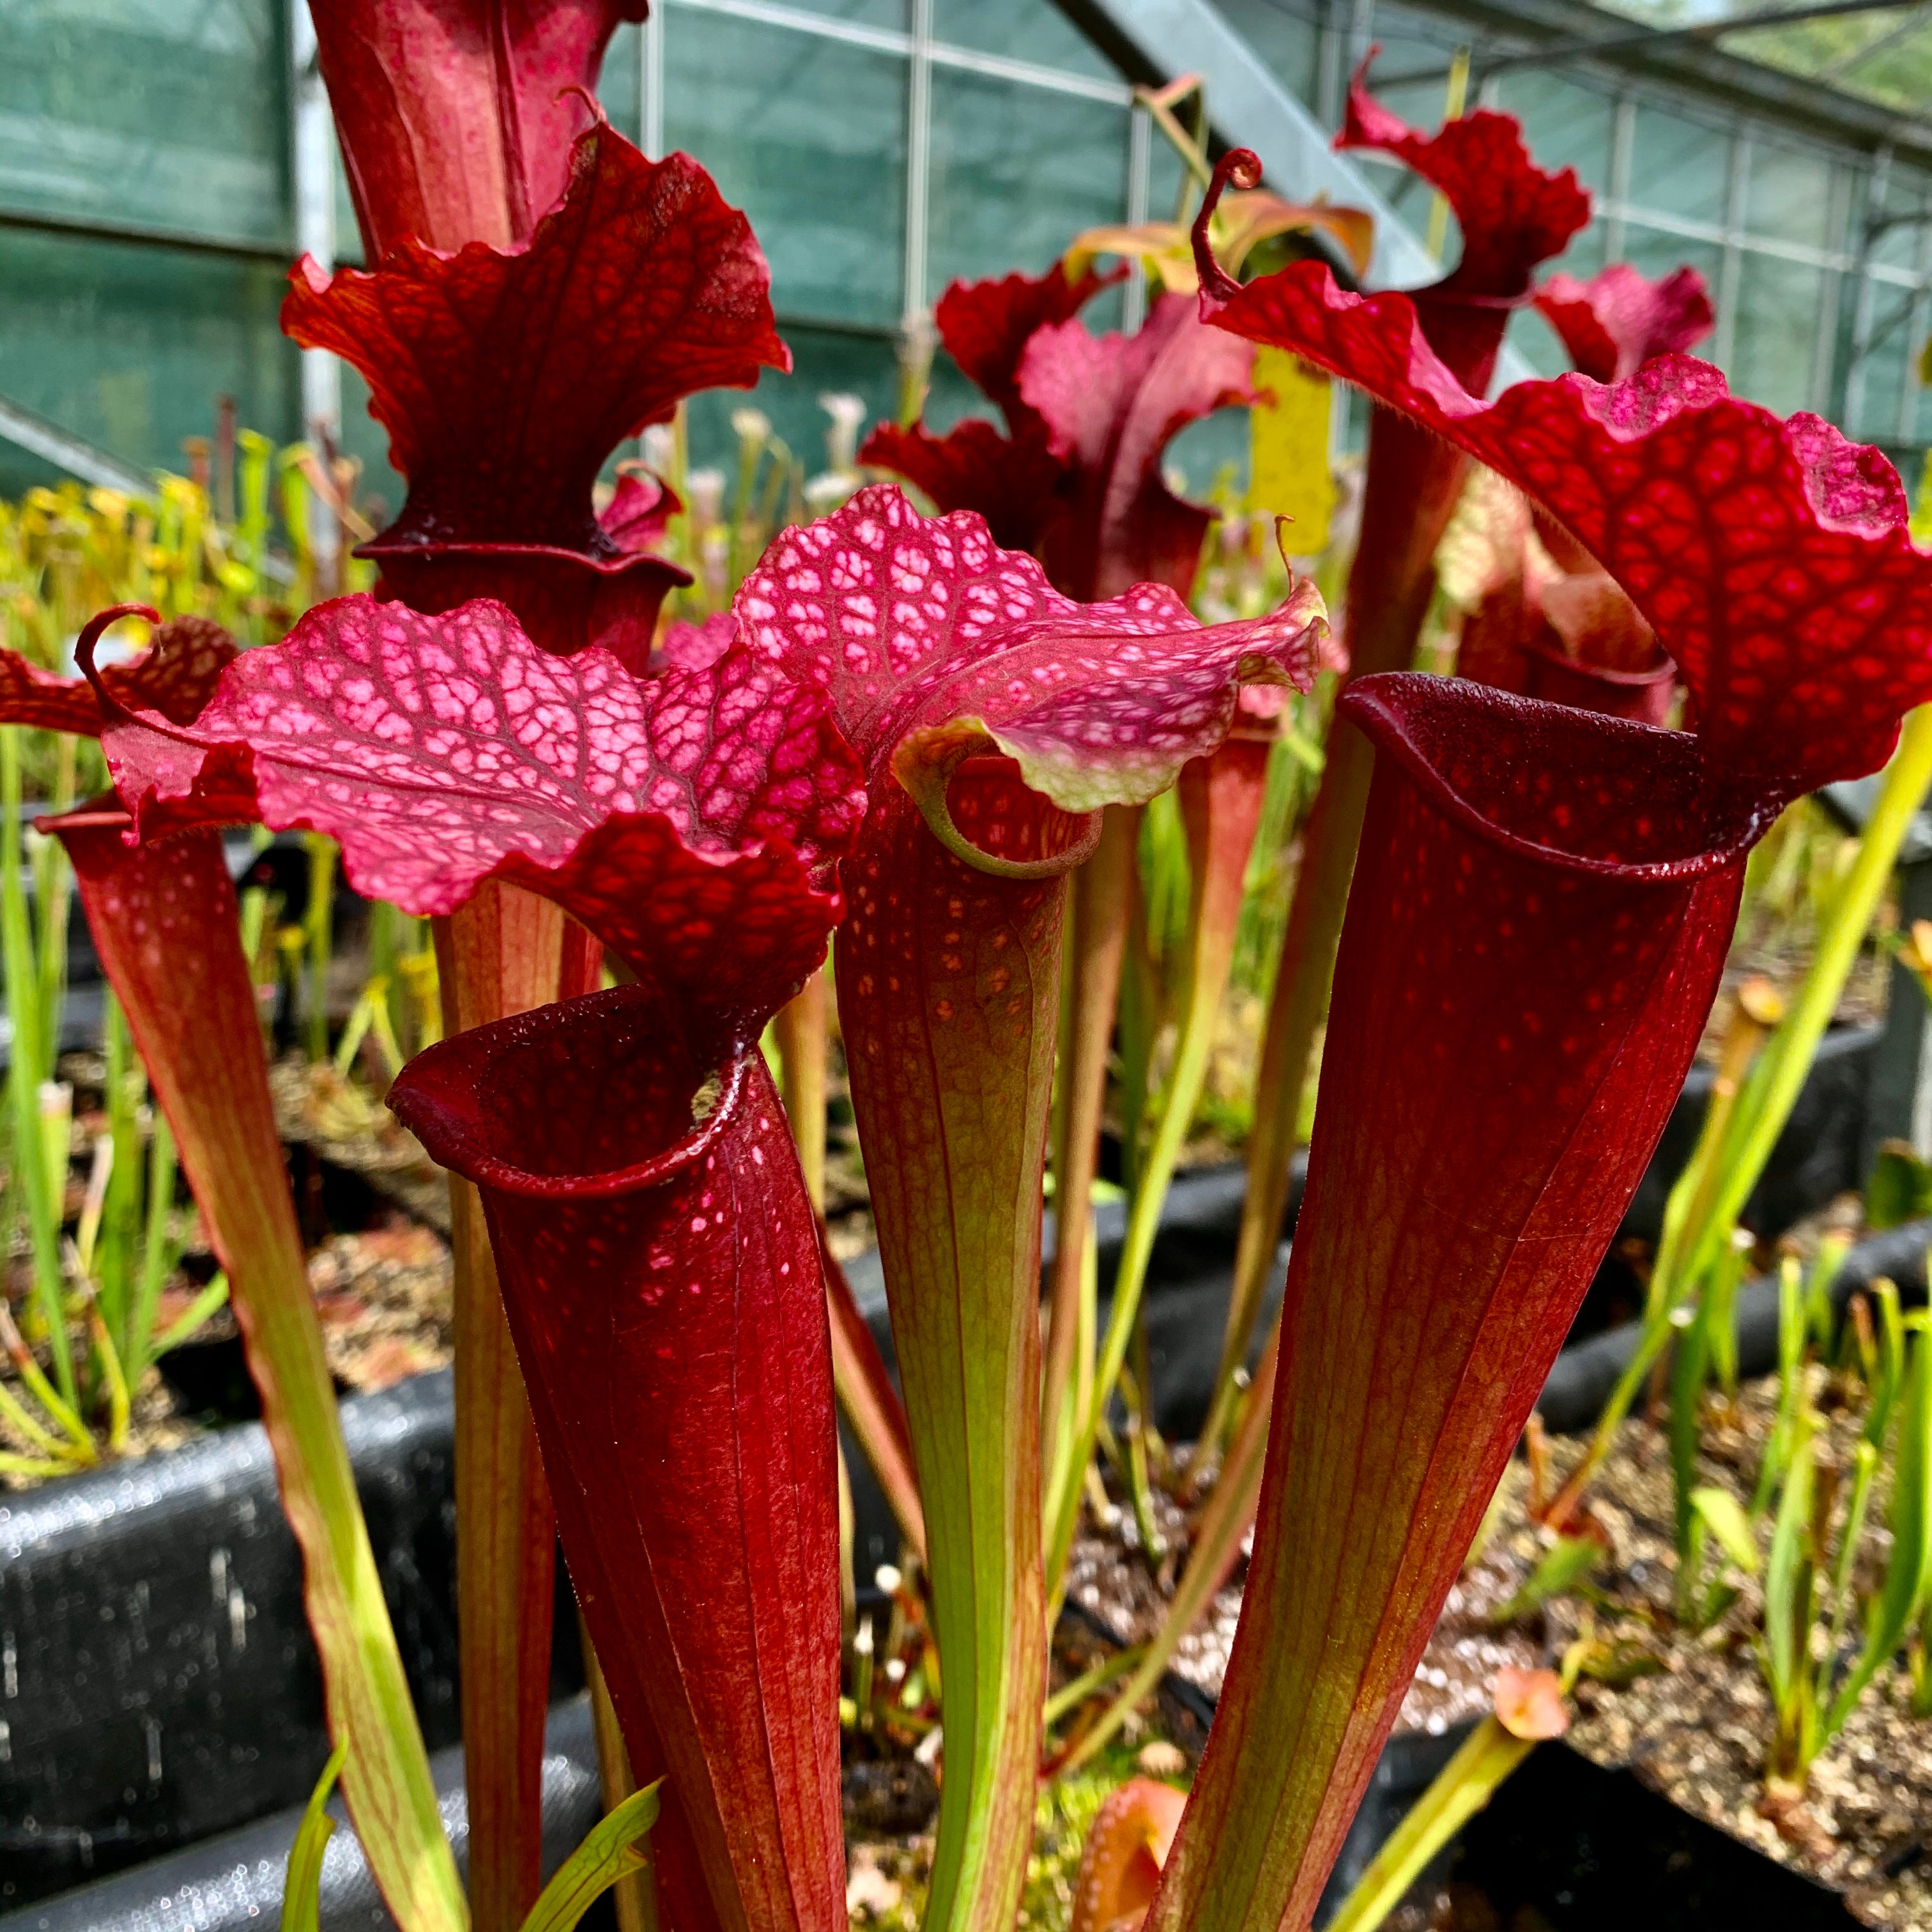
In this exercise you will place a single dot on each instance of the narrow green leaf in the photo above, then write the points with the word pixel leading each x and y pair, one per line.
pixel 1724 1517
pixel 1720 1598
pixel 1824 1267
pixel 1864 1467
pixel 1787 1621
pixel 30 1061
pixel 1071 1697
pixel 302 1885
pixel 1305 752
pixel 158 1251
pixel 115 1382
pixel 1719 1320
pixel 608 1852
pixel 1568 1560
pixel 213 1296
pixel 1769 1094
pixel 1689 1369
pixel 1791 1333
pixel 1908 1576
pixel 1219 801
pixel 1891 1376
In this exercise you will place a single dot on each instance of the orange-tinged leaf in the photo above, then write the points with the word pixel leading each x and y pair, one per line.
pixel 1529 1703
pixel 1126 1852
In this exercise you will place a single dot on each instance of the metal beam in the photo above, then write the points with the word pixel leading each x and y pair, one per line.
pixel 42 221
pixel 1248 107
pixel 32 432
pixel 1582 47
pixel 312 178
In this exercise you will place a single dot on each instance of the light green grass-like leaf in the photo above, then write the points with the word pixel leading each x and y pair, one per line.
pixel 1908 1576
pixel 1568 1561
pixel 609 1852
pixel 213 1297
pixel 1723 1516
pixel 301 1887
pixel 1463 1786
pixel 1787 1601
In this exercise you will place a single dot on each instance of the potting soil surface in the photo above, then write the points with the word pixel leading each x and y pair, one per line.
pixel 1110 1580
pixel 1696 1725
pixel 384 1299
pixel 315 1107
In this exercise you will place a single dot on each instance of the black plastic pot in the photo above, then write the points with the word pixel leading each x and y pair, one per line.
pixel 233 1882
pixel 157 1681
pixel 1569 1845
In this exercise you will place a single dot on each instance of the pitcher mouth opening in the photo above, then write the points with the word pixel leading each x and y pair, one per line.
pixel 1575 789
pixel 590 1100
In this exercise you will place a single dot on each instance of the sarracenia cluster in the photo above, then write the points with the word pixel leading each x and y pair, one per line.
pixel 915 731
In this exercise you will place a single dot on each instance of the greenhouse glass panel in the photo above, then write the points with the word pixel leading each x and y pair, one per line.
pixel 1412 42
pixel 1566 126
pixel 620 85
pixel 1583 257
pixel 1210 458
pixel 808 137
pixel 1410 196
pixel 1017 173
pixel 1899 219
pixel 1166 171
pixel 1679 166
pixel 1918 414
pixel 148 113
pixel 1875 383
pixel 379 490
pixel 348 236
pixel 1789 195
pixel 1774 336
pixel 1022 30
pixel 951 397
pixel 128 344
pixel 1532 337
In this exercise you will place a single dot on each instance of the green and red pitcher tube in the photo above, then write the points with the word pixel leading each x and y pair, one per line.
pixel 1542 905
pixel 949 990
pixel 995 717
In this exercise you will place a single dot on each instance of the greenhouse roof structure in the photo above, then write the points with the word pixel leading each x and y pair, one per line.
pixel 160 168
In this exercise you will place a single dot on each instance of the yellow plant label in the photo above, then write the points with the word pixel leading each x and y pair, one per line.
pixel 1291 474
